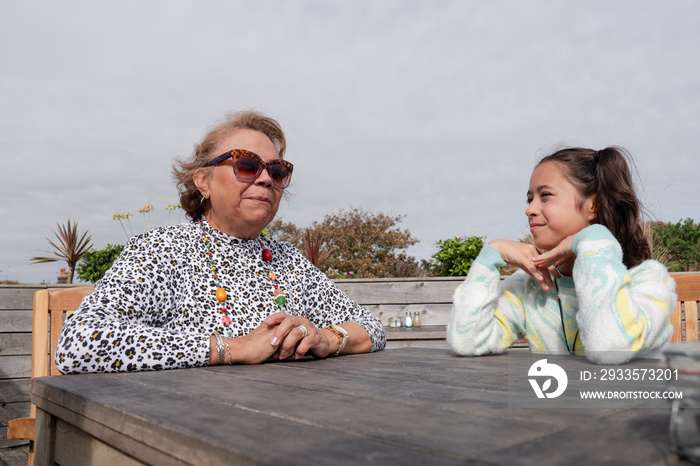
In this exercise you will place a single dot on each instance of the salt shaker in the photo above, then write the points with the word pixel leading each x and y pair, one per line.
pixel 408 321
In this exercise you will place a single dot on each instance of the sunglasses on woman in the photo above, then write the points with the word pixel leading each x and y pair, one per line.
pixel 247 166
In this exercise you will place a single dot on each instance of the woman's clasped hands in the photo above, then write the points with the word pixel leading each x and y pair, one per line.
pixel 281 336
pixel 296 336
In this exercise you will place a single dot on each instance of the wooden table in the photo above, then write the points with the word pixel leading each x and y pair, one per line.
pixel 405 406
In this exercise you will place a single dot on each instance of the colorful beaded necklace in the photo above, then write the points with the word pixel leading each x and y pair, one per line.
pixel 279 296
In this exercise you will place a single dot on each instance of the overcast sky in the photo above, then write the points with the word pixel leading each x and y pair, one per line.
pixel 434 110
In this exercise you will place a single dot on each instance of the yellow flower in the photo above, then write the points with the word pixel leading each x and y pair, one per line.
pixel 146 208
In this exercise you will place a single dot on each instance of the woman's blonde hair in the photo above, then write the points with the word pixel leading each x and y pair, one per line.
pixel 183 170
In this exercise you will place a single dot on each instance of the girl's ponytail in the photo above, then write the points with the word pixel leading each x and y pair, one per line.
pixel 617 205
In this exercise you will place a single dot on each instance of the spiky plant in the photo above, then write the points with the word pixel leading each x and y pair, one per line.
pixel 313 241
pixel 70 247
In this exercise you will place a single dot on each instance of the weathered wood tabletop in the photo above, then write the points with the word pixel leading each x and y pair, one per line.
pixel 402 406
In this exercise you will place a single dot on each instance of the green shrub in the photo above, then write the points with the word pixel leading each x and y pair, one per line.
pixel 677 245
pixel 455 256
pixel 96 262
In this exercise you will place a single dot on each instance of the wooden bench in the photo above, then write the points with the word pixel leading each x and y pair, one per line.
pixel 685 314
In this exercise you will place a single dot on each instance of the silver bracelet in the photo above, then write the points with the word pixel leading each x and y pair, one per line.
pixel 219 348
pixel 228 350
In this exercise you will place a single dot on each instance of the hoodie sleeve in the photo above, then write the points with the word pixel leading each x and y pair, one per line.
pixel 487 313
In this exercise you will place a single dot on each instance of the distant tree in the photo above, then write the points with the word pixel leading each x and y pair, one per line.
pixel 677 245
pixel 361 243
pixel 70 248
pixel 354 243
pixel 286 231
pixel 406 266
pixel 95 263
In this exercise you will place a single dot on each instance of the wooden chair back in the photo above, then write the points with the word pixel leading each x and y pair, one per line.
pixel 685 314
pixel 51 308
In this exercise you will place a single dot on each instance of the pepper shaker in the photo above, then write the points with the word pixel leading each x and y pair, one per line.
pixel 416 319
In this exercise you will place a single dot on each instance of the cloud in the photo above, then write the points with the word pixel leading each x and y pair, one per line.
pixel 433 110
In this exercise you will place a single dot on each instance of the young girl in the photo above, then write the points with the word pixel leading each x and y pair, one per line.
pixel 595 290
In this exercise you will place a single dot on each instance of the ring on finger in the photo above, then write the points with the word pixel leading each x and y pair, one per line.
pixel 304 332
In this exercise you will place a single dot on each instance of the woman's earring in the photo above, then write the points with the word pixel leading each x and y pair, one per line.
pixel 201 201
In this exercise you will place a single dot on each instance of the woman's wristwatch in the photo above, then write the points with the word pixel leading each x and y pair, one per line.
pixel 342 334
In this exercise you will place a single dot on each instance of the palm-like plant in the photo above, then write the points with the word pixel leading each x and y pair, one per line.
pixel 313 240
pixel 70 248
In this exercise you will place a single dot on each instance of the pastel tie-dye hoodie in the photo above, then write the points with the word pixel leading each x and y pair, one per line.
pixel 610 313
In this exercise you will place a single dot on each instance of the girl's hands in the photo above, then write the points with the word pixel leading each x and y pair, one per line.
pixel 561 257
pixel 523 256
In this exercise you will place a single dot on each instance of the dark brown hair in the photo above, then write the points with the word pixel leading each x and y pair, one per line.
pixel 183 170
pixel 606 175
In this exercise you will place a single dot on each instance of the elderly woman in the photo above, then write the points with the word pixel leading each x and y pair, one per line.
pixel 216 291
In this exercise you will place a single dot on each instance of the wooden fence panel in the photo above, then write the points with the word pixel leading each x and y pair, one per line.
pixel 12 411
pixel 15 297
pixel 15 367
pixel 400 291
pixel 386 298
pixel 14 344
pixel 430 314
pixel 13 391
pixel 16 321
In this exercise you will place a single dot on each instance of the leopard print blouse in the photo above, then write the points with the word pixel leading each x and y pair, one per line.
pixel 156 307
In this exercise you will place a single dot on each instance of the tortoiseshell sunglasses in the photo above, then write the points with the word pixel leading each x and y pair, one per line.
pixel 247 166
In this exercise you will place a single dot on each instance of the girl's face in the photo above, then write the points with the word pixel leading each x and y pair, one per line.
pixel 554 206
